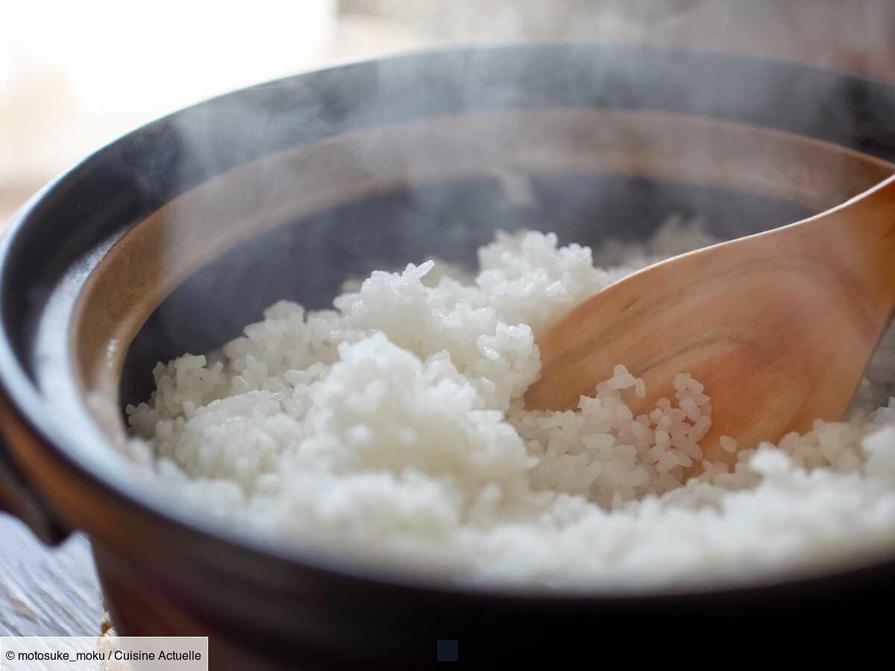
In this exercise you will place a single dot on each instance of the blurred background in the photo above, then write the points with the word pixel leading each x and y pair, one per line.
pixel 74 75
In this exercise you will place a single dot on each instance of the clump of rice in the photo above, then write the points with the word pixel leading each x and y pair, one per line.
pixel 391 428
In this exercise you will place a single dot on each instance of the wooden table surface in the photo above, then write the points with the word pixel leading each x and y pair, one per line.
pixel 43 591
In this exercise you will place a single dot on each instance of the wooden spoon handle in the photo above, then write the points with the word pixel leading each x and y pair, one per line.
pixel 858 235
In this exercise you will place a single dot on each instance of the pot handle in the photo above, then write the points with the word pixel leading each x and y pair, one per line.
pixel 19 499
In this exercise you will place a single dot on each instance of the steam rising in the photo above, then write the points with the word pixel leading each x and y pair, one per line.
pixel 424 219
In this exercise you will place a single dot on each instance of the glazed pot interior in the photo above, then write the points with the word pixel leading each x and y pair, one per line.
pixel 296 224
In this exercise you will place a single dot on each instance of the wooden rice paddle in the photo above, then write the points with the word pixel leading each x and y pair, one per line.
pixel 778 326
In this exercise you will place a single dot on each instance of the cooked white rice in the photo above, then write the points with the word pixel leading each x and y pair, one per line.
pixel 391 429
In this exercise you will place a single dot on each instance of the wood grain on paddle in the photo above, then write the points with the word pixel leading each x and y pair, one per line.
pixel 779 326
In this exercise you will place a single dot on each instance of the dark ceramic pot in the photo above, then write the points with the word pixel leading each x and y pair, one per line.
pixel 173 237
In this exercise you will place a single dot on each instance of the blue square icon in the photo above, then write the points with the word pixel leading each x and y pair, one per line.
pixel 447 651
